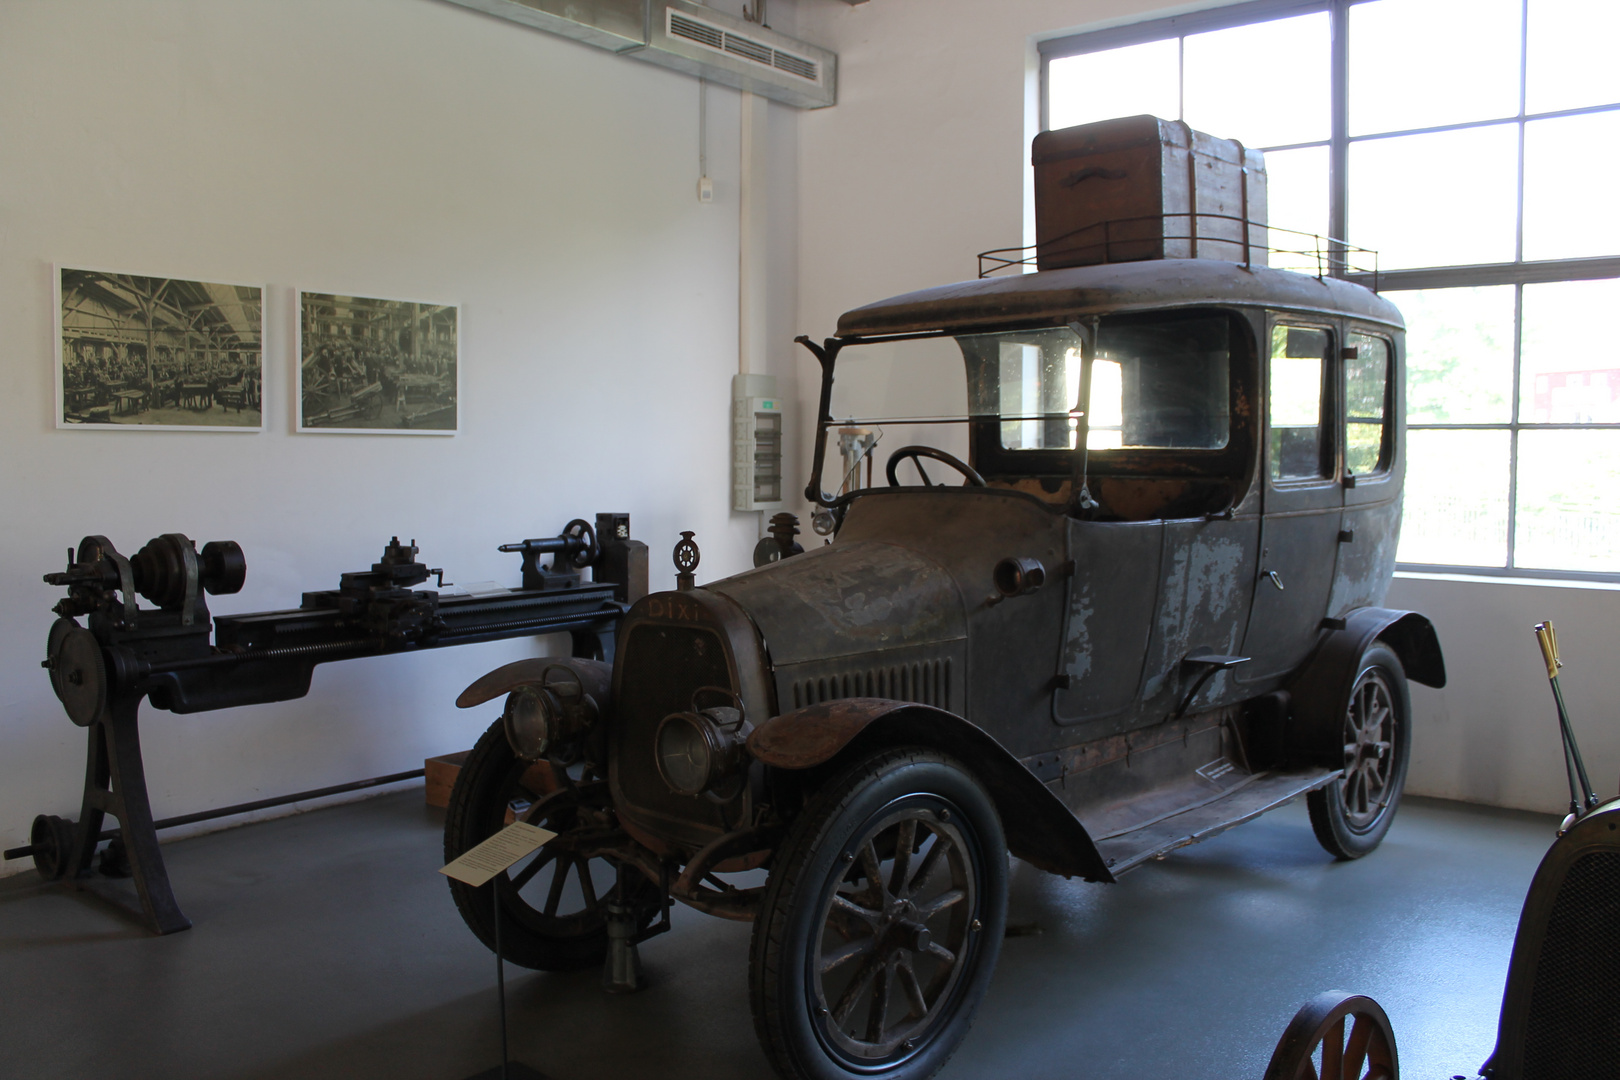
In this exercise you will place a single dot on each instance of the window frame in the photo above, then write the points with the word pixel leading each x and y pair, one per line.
pixel 1386 443
pixel 1518 272
pixel 1329 439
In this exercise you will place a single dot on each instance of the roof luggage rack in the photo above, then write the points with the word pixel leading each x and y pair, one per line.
pixel 1201 236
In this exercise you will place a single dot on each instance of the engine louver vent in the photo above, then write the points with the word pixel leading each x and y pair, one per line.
pixel 926 682
pixel 720 39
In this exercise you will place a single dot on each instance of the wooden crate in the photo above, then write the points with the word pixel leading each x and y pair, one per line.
pixel 441 773
pixel 1144 188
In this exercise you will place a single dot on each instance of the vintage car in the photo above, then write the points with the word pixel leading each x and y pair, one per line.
pixel 1149 610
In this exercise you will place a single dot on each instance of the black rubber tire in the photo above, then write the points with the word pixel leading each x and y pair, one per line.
pixel 812 861
pixel 1336 824
pixel 489 779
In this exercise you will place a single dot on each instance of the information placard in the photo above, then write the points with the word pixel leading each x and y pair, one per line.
pixel 476 866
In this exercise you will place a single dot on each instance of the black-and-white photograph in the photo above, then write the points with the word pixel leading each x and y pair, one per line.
pixel 158 352
pixel 370 365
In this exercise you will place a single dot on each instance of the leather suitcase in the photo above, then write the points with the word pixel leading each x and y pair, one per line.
pixel 1144 188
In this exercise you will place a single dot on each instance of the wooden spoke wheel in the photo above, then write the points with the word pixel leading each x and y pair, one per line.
pixel 881 922
pixel 1336 1036
pixel 553 903
pixel 1351 815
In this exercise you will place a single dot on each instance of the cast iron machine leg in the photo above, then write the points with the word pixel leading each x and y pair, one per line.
pixel 115 783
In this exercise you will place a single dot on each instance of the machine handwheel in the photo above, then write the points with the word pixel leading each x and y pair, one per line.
pixel 1316 1044
pixel 553 903
pixel 881 922
pixel 1351 815
pixel 917 453
pixel 580 529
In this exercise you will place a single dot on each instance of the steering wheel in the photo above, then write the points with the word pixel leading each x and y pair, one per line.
pixel 917 453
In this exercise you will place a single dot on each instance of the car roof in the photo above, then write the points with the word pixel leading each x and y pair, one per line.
pixel 1053 296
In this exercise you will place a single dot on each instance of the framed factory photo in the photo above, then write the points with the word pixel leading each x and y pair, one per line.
pixel 134 351
pixel 372 366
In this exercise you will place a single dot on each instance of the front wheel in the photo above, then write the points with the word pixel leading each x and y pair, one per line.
pixel 1351 815
pixel 553 904
pixel 881 922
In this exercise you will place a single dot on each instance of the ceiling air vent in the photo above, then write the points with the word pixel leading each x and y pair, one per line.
pixel 702 41
pixel 720 39
pixel 692 30
pixel 688 37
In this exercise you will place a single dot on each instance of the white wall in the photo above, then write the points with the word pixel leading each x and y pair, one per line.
pixel 1491 736
pixel 383 147
pixel 922 165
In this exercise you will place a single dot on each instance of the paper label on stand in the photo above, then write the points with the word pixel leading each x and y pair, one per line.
pixel 495 855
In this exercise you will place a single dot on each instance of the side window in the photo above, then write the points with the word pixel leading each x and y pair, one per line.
pixel 1366 397
pixel 1294 410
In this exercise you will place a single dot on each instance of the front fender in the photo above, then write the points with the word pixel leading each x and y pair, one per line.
pixel 1040 829
pixel 595 676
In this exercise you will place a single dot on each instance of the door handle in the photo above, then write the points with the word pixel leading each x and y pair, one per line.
pixel 1276 579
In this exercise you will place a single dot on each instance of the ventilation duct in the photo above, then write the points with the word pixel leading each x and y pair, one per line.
pixel 687 37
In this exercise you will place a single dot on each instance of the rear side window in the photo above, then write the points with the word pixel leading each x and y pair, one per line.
pixel 1366 404
pixel 1295 447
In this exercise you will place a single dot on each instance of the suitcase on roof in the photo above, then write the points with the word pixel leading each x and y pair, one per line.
pixel 1144 188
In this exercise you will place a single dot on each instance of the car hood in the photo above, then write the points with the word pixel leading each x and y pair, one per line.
pixel 850 598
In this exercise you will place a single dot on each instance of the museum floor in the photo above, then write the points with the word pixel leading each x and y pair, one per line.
pixel 325 945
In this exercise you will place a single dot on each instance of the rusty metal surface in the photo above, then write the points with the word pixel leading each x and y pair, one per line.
pixel 1053 297
pixel 671 644
pixel 1127 850
pixel 595 676
pixel 1040 828
pixel 812 735
pixel 852 597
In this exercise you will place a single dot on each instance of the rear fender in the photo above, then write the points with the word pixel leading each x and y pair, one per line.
pixel 1319 691
pixel 1040 829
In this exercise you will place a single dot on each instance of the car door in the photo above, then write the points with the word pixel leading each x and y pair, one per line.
pixel 1302 502
pixel 1373 470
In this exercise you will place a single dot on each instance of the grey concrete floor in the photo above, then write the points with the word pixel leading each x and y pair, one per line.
pixel 326 945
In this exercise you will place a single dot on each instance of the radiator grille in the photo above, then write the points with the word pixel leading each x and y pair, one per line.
pixel 927 682
pixel 1572 1031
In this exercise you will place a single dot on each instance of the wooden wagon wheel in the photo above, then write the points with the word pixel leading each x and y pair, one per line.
pixel 1316 1045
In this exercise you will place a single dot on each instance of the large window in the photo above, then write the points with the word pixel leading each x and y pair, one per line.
pixel 1474 146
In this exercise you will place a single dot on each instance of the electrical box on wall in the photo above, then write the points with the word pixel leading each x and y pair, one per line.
pixel 756 443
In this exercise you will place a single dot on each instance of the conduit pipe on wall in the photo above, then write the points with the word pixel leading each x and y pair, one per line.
pixel 752 234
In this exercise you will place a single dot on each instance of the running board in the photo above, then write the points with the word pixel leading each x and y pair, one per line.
pixel 1267 791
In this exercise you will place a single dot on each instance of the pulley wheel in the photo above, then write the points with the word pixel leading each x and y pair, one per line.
pixel 52 840
pixel 60 629
pixel 79 675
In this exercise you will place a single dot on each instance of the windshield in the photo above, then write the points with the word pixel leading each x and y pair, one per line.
pixel 1159 381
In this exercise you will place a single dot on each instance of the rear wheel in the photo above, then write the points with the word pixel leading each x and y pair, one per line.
pixel 1351 815
pixel 881 922
pixel 553 903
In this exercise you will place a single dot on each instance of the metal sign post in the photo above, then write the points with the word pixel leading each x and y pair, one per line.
pixel 487 864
